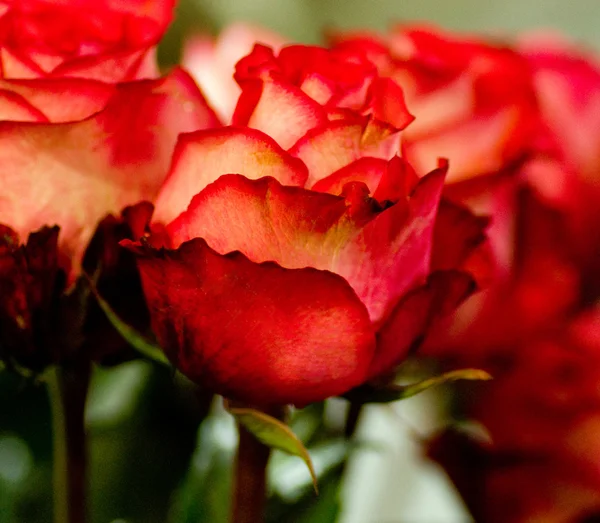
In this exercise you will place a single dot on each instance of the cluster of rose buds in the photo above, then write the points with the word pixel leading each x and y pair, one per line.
pixel 293 221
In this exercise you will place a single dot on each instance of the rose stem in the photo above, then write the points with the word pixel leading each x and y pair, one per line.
pixel 67 387
pixel 249 496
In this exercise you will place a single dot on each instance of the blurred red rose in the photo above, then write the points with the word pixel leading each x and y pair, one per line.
pixel 537 329
pixel 473 100
pixel 109 40
pixel 299 259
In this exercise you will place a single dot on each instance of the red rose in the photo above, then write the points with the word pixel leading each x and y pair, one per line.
pixel 107 40
pixel 291 276
pixel 473 100
pixel 536 328
pixel 75 173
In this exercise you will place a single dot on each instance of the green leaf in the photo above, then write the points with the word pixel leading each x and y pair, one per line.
pixel 275 434
pixel 408 391
pixel 395 392
pixel 134 338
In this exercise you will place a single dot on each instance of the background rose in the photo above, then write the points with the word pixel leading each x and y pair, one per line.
pixel 536 329
pixel 473 100
pixel 75 150
pixel 307 271
pixel 107 40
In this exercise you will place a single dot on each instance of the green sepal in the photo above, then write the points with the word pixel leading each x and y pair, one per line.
pixel 274 434
pixel 139 342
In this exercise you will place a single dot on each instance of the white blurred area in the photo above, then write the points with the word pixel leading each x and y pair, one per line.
pixel 390 480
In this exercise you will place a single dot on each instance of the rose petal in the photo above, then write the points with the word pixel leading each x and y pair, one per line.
pixel 61 100
pixel 278 109
pixel 366 170
pixel 73 174
pixel 257 333
pixel 298 228
pixel 458 232
pixel 415 315
pixel 327 149
pixel 202 157
pixel 15 108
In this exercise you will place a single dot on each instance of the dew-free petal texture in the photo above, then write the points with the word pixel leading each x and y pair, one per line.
pixel 73 174
pixel 327 149
pixel 278 109
pixel 382 255
pixel 202 157
pixel 211 62
pixel 257 333
pixel 61 99
pixel 106 40
pixel 414 316
pixel 367 170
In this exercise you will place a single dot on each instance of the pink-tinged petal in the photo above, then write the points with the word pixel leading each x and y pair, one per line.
pixel 256 333
pixel 387 103
pixel 475 147
pixel 414 316
pixel 458 233
pixel 202 157
pixel 109 41
pixel 366 170
pixel 278 109
pixel 121 66
pixel 73 174
pixel 14 66
pixel 327 149
pixel 61 100
pixel 15 108
pixel 212 63
pixel 266 221
pixel 391 254
pixel 398 180
pixel 381 255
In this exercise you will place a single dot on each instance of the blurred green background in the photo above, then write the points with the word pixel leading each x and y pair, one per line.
pixel 150 463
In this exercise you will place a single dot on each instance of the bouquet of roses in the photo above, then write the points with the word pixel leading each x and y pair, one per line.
pixel 282 224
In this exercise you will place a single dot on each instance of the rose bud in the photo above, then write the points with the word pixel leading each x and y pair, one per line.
pixel 101 39
pixel 291 258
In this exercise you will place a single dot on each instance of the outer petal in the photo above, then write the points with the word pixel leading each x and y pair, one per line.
pixel 415 315
pixel 74 174
pixel 381 255
pixel 28 282
pixel 202 157
pixel 256 332
pixel 329 148
pixel 61 100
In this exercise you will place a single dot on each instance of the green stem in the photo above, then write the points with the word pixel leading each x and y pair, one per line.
pixel 67 387
pixel 249 494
